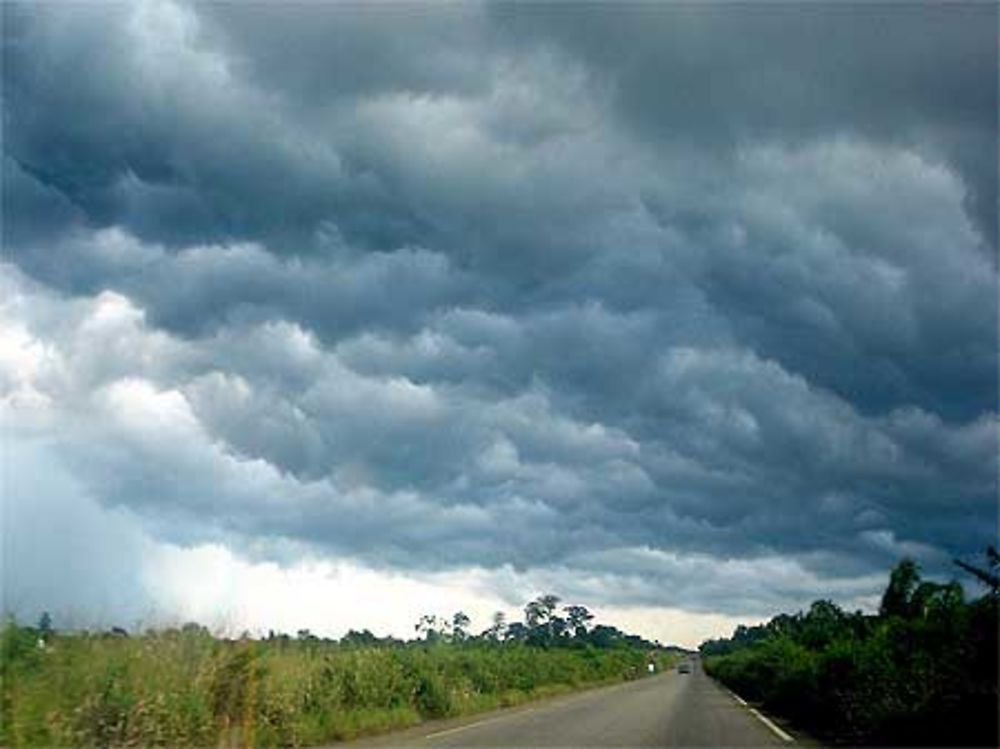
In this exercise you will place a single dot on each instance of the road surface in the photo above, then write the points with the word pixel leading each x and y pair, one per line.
pixel 671 709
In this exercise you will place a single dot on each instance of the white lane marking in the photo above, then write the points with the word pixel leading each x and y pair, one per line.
pixel 454 730
pixel 770 724
pixel 762 718
pixel 447 731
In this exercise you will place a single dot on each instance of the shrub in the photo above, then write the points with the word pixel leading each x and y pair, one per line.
pixel 922 673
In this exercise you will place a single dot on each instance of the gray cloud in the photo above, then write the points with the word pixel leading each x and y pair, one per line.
pixel 723 75
pixel 494 285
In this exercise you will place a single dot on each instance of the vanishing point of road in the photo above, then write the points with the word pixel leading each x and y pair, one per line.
pixel 669 710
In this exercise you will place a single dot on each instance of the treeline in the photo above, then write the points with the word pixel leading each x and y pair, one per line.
pixel 545 625
pixel 922 672
pixel 184 687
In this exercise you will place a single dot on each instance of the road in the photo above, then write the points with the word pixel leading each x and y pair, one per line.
pixel 671 709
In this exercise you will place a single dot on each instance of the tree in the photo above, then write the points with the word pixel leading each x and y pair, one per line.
pixel 516 632
pixel 558 628
pixel 549 603
pixel 989 577
pixel 428 627
pixel 903 581
pixel 605 636
pixel 577 617
pixel 782 624
pixel 534 614
pixel 822 625
pixel 540 610
pixel 364 638
pixel 459 625
pixel 496 630
pixel 930 599
pixel 540 617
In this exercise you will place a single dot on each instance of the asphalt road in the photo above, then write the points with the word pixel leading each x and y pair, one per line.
pixel 671 709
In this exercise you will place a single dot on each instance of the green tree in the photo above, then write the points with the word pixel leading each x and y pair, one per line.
pixel 898 597
pixel 605 636
pixel 930 599
pixel 364 638
pixel 534 613
pixel 515 632
pixel 540 617
pixel 578 617
pixel 557 628
pixel 823 624
pixel 459 626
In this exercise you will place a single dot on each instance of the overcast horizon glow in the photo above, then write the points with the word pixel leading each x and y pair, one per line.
pixel 328 316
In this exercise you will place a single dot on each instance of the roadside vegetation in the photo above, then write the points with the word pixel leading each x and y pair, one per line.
pixel 187 688
pixel 922 672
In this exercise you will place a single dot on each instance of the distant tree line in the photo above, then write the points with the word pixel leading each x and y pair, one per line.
pixel 921 672
pixel 546 624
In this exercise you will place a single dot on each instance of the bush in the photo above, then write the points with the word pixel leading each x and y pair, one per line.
pixel 926 677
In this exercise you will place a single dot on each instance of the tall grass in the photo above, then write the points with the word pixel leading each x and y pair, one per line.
pixel 187 688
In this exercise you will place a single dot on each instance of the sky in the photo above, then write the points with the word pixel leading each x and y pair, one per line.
pixel 329 316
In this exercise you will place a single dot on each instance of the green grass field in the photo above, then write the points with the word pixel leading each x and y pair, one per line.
pixel 187 688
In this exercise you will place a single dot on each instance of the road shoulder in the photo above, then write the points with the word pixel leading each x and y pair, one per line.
pixel 791 735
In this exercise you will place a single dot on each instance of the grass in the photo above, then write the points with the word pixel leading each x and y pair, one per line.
pixel 187 688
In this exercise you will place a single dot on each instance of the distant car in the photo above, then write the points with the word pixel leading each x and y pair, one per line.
pixel 684 668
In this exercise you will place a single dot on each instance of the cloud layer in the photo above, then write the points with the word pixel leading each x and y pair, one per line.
pixel 680 307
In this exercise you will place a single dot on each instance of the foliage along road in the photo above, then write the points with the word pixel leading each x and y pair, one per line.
pixel 671 709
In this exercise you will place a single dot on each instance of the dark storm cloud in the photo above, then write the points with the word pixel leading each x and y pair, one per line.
pixel 721 74
pixel 336 46
pixel 626 291
pixel 129 114
pixel 195 133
